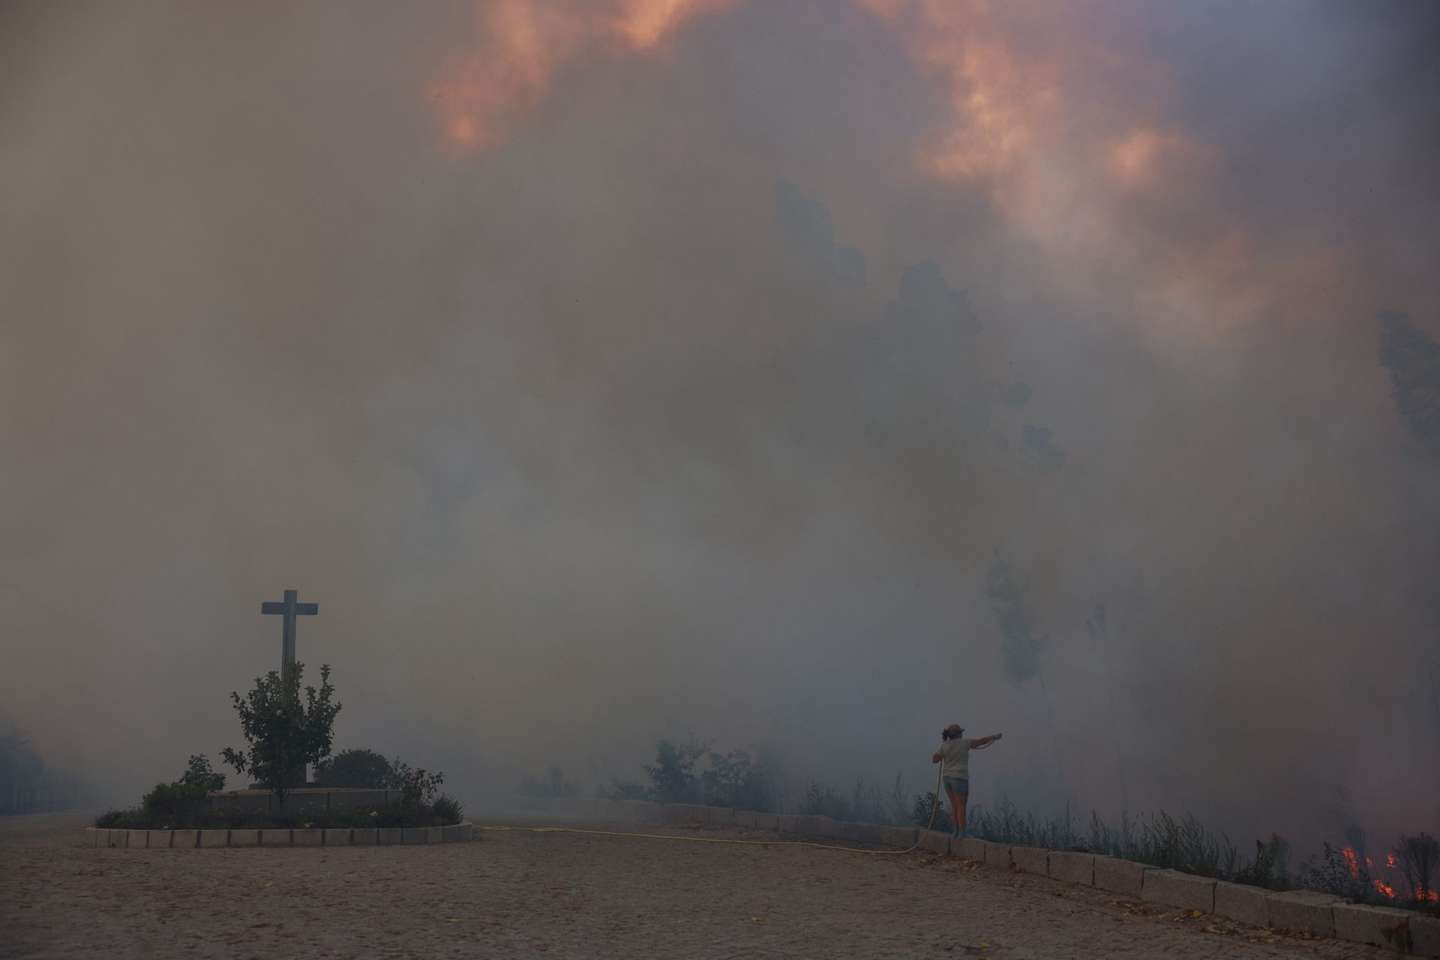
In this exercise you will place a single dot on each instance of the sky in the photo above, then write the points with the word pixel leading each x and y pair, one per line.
pixel 610 370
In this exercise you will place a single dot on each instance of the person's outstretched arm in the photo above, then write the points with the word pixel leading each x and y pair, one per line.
pixel 983 742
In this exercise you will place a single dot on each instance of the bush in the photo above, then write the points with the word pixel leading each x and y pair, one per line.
pixel 821 800
pixel 360 768
pixel 628 790
pixel 112 818
pixel 1269 866
pixel 1419 859
pixel 672 777
pixel 930 809
pixel 733 780
pixel 182 803
pixel 175 804
pixel 199 775
pixel 447 810
pixel 417 786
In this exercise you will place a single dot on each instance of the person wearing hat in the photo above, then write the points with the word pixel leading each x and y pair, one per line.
pixel 954 752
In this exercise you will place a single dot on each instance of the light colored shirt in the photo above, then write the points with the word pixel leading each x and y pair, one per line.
pixel 955 754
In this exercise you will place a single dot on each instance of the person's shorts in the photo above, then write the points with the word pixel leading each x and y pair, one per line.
pixel 957 785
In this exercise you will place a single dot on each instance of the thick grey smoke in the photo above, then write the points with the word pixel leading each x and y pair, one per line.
pixel 701 401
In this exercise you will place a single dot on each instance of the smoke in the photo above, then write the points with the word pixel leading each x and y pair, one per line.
pixel 608 371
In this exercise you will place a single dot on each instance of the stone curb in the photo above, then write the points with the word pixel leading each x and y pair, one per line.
pixel 1073 867
pixel 1304 910
pixel 1183 891
pixel 251 837
pixel 1031 860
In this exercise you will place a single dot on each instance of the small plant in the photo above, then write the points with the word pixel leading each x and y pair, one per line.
pixel 822 800
pixel 1184 845
pixel 1419 860
pixel 1268 869
pixel 929 809
pixel 181 803
pixel 199 776
pixel 447 810
pixel 734 780
pixel 112 818
pixel 417 786
pixel 628 790
pixel 1339 871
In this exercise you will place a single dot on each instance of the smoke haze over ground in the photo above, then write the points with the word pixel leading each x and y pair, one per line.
pixel 615 370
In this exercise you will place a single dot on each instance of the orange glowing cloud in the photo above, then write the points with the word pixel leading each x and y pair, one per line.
pixel 1069 132
pixel 1065 128
pixel 522 43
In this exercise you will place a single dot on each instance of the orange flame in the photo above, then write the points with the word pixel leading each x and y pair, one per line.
pixel 524 42
pixel 1385 889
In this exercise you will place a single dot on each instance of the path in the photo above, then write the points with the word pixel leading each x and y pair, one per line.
pixel 564 895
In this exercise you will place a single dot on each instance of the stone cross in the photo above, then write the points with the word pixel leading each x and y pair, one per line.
pixel 289 608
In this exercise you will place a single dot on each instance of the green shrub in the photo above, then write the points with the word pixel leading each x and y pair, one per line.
pixel 112 818
pixel 1268 869
pixel 447 810
pixel 930 809
pixel 629 790
pixel 199 775
pixel 734 780
pixel 821 800
pixel 1419 860
pixel 360 768
pixel 672 776
pixel 175 804
pixel 417 791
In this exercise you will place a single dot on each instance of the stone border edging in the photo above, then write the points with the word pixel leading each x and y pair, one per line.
pixel 251 837
pixel 1304 911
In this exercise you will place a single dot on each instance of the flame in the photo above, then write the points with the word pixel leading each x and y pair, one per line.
pixel 1382 887
pixel 523 43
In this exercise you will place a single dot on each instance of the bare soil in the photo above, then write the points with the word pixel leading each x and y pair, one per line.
pixel 522 894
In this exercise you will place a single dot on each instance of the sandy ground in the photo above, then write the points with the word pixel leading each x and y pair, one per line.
pixel 521 894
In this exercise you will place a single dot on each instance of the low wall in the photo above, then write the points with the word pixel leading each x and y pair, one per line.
pixel 251 837
pixel 302 800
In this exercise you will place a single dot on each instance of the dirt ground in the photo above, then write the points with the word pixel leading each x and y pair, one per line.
pixel 519 894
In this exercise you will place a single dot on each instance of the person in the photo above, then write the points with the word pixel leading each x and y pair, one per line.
pixel 954 752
